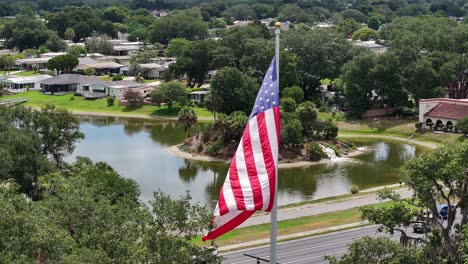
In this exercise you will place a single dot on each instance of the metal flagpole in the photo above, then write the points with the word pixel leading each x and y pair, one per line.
pixel 274 211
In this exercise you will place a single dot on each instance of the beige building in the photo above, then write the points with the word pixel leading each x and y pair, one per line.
pixel 442 111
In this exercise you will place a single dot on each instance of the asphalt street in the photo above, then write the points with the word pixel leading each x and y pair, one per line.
pixel 304 251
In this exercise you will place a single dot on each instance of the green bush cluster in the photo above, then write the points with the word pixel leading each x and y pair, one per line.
pixel 214 148
pixel 314 151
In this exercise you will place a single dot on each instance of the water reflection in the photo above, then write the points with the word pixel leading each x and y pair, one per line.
pixel 137 149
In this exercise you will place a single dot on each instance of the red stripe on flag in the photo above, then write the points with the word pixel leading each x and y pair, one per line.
pixel 235 184
pixel 223 208
pixel 267 156
pixel 228 226
pixel 252 169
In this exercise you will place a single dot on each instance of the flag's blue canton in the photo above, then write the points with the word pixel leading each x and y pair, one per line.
pixel 268 96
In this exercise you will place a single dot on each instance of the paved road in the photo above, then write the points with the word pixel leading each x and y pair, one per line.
pixel 320 208
pixel 304 251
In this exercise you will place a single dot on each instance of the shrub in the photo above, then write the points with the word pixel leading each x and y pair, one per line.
pixel 330 130
pixel 110 101
pixel 215 148
pixel 288 104
pixel 418 126
pixel 117 77
pixel 314 151
pixel 462 125
pixel 444 128
pixel 354 189
pixel 72 98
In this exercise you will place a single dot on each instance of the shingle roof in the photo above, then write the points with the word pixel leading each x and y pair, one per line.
pixel 449 111
pixel 72 78
pixel 124 84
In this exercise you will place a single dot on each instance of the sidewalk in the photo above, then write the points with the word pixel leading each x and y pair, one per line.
pixel 321 208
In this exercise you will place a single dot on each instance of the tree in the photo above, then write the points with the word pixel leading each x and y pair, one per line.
pixel 91 214
pixel 294 92
pixel 307 114
pixel 187 117
pixel 55 43
pixel 242 12
pixel 435 177
pixel 365 34
pixel 114 14
pixel 133 97
pixel 30 138
pixel 291 130
pixel 63 63
pixel 212 104
pixel 373 23
pixel 6 62
pixel 293 13
pixel 183 24
pixel 76 50
pixel 288 104
pixel 177 47
pixel 100 44
pixel 69 34
pixel 89 71
pixel 462 125
pixel 379 251
pixel 354 14
pixel 348 26
pixel 233 90
pixel 170 93
pixel 320 54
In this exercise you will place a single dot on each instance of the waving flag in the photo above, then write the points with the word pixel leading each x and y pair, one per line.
pixel 251 180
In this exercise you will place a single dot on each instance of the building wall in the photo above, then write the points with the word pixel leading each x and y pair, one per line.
pixel 435 119
pixel 425 107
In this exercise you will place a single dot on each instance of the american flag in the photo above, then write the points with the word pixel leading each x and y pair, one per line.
pixel 251 180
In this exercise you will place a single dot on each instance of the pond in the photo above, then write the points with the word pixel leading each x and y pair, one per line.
pixel 137 149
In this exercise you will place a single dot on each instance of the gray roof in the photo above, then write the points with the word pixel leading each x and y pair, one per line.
pixel 86 60
pixel 152 66
pixel 70 78
pixel 124 84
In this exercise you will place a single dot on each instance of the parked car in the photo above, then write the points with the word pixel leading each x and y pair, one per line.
pixel 424 223
pixel 443 210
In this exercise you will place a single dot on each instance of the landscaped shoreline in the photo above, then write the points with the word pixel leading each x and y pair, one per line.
pixel 175 150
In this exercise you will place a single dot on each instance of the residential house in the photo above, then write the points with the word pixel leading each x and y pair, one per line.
pixel 52 54
pixel 374 47
pixel 17 84
pixel 29 63
pixel 152 70
pixel 126 50
pixel 117 89
pixel 103 67
pixel 198 96
pixel 68 83
pixel 442 111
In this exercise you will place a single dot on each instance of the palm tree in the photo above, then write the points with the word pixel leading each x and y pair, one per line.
pixel 187 118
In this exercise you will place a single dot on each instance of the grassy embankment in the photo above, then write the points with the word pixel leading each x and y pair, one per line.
pixel 293 226
pixel 36 99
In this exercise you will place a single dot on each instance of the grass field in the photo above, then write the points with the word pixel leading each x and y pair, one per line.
pixel 78 103
pixel 292 226
pixel 391 127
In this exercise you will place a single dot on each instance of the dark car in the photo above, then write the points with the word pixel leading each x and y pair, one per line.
pixel 443 210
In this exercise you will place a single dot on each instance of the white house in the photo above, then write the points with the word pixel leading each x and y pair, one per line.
pixel 374 47
pixel 28 64
pixel 152 70
pixel 118 88
pixel 20 84
pixel 442 111
pixel 198 96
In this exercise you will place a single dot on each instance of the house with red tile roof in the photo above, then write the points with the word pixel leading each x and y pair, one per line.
pixel 442 111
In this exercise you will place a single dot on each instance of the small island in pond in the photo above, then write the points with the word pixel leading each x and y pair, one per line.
pixel 304 139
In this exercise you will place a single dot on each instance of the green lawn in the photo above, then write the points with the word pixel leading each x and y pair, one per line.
pixel 27 73
pixel 37 99
pixel 292 226
pixel 398 128
pixel 106 78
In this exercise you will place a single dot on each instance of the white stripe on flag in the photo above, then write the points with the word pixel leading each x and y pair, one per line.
pixel 229 195
pixel 259 161
pixel 271 127
pixel 244 178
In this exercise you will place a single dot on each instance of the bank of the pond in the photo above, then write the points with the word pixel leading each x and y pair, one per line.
pixel 424 144
pixel 177 151
pixel 98 107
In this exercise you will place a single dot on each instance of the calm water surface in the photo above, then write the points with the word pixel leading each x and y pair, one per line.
pixel 137 149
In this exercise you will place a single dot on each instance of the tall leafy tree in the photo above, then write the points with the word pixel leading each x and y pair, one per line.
pixel 63 63
pixel 170 93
